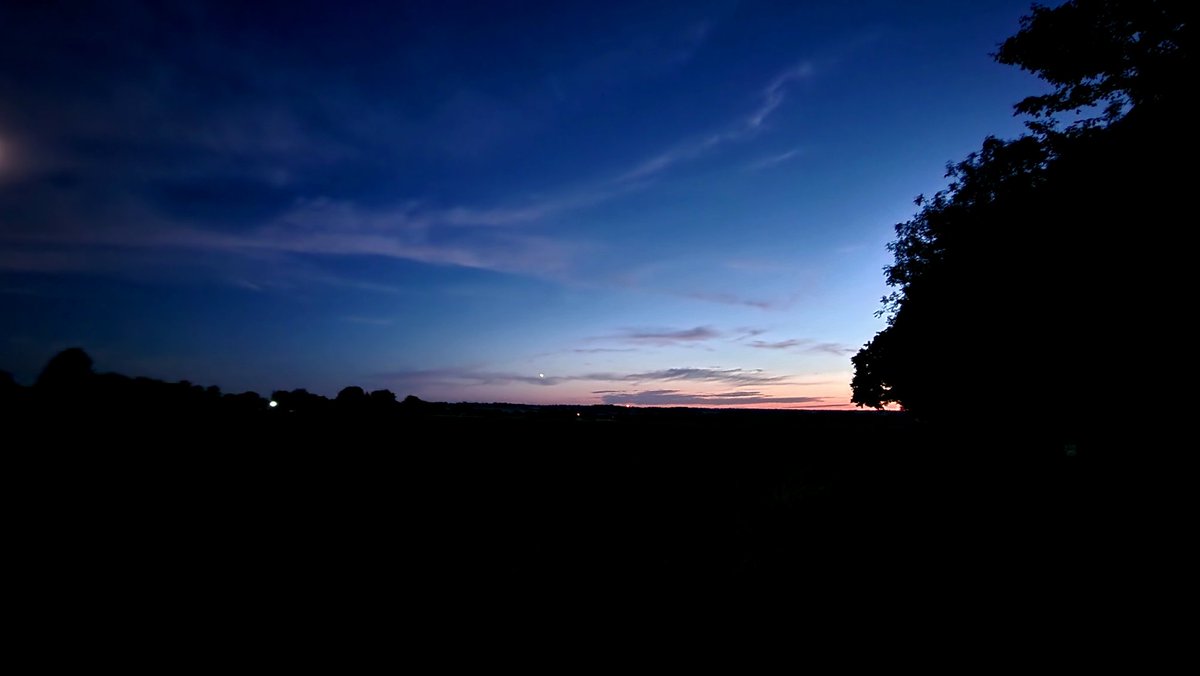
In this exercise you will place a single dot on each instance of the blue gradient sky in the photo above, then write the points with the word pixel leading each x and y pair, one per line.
pixel 659 203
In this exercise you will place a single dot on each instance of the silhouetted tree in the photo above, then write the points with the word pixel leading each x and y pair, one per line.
pixel 67 370
pixel 383 399
pixel 300 400
pixel 1105 56
pixel 10 391
pixel 1046 251
pixel 246 402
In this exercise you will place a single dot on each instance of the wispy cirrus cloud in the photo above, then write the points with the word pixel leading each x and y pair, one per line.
pixel 668 336
pixel 678 398
pixel 732 299
pixel 602 350
pixel 778 345
pixel 339 228
pixel 467 376
pixel 836 349
pixel 255 162
pixel 803 344
pixel 736 377
pixel 687 150
pixel 770 99
pixel 318 226
pixel 776 91
pixel 745 332
pixel 659 277
pixel 772 160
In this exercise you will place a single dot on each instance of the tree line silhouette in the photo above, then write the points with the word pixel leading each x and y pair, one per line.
pixel 1036 280
pixel 69 384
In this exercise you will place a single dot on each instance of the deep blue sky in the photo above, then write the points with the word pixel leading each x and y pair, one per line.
pixel 661 203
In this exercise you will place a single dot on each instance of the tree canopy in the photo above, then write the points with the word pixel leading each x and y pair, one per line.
pixel 1026 279
pixel 1107 54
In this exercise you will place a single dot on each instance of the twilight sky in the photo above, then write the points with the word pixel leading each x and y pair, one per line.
pixel 669 203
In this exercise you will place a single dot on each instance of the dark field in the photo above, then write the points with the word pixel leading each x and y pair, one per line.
pixel 461 504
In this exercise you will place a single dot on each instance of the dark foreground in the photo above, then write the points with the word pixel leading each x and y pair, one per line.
pixel 452 506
